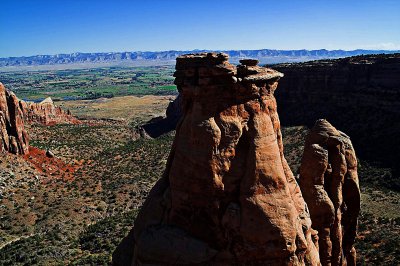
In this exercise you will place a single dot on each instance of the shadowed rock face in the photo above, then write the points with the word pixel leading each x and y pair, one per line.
pixel 46 113
pixel 161 125
pixel 360 95
pixel 13 137
pixel 228 196
pixel 329 182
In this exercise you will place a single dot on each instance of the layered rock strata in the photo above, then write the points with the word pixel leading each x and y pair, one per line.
pixel 329 182
pixel 228 196
pixel 360 95
pixel 46 113
pixel 14 113
pixel 13 137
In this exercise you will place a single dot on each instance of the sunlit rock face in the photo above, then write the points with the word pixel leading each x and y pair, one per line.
pixel 329 182
pixel 46 113
pixel 228 196
pixel 13 137
pixel 14 113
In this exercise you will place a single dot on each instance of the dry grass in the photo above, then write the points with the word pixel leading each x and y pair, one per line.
pixel 120 108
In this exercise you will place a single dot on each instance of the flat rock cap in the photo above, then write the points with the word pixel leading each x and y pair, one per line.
pixel 249 62
pixel 200 59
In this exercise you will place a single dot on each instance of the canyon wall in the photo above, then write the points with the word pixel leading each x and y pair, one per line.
pixel 46 113
pixel 360 95
pixel 228 196
pixel 14 113
pixel 13 137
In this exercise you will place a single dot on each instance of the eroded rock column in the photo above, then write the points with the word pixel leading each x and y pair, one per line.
pixel 329 182
pixel 13 137
pixel 227 196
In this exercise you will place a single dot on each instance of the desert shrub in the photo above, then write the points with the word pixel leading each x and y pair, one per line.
pixel 104 235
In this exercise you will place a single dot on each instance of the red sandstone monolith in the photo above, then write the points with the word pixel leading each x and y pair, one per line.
pixel 329 182
pixel 228 196
pixel 13 137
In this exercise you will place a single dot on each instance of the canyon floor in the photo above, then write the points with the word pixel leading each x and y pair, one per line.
pixel 74 208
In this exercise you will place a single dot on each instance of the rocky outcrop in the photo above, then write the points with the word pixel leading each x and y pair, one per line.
pixel 161 125
pixel 360 95
pixel 14 113
pixel 329 183
pixel 228 196
pixel 46 113
pixel 13 137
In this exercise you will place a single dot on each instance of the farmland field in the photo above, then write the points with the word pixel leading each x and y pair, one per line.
pixel 93 83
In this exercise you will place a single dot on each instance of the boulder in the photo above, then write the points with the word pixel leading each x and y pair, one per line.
pixel 49 154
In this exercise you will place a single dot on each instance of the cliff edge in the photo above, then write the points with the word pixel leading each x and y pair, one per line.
pixel 360 95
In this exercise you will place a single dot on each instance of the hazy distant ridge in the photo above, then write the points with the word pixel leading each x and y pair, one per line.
pixel 265 55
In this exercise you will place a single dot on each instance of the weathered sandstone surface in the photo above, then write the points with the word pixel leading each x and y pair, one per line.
pixel 329 183
pixel 14 113
pixel 228 196
pixel 360 95
pixel 46 113
pixel 13 137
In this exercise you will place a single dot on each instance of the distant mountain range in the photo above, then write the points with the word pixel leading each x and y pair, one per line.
pixel 133 58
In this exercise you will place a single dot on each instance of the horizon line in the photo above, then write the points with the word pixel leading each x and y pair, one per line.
pixel 204 50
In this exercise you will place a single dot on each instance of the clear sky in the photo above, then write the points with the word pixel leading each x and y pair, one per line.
pixel 34 27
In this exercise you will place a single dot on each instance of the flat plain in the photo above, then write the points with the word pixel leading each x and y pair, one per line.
pixel 93 83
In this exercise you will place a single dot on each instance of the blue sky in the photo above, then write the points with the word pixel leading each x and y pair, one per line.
pixel 63 26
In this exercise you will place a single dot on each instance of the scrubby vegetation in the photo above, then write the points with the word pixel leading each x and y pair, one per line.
pixel 80 221
pixel 92 247
pixel 75 209
pixel 378 240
